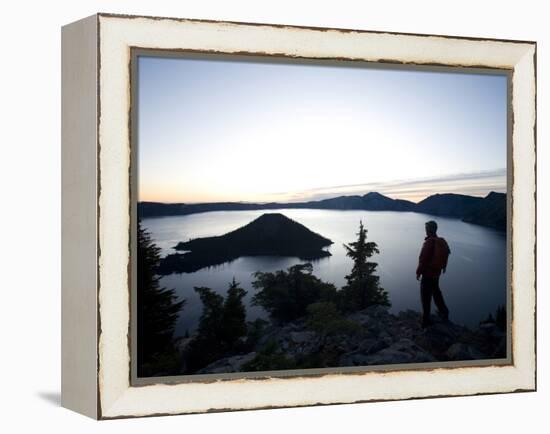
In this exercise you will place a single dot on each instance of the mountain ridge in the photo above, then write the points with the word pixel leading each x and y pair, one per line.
pixel 489 211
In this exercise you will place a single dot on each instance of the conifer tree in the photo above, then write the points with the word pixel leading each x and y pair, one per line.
pixel 207 346
pixel 212 311
pixel 234 314
pixel 363 286
pixel 158 311
pixel 222 323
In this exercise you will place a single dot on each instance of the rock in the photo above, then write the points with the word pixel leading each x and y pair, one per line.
pixel 302 337
pixel 284 344
pixel 389 356
pixel 369 346
pixel 376 310
pixel 409 315
pixel 461 351
pixel 227 364
pixel 183 348
pixel 384 334
pixel 360 318
pixel 437 338
pixel 382 339
pixel 353 359
pixel 359 356
pixel 500 350
pixel 490 329
pixel 402 351
pixel 182 344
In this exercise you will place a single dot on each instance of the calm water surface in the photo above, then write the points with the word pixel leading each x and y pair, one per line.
pixel 474 285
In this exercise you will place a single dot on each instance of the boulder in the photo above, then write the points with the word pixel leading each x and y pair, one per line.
pixel 228 364
pixel 500 350
pixel 382 339
pixel 402 351
pixel 376 310
pixel 353 359
pixel 302 337
pixel 436 339
pixel 369 346
pixel 462 351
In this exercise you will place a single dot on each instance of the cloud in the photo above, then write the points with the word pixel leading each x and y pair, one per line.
pixel 473 183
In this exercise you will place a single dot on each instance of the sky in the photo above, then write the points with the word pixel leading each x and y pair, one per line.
pixel 212 130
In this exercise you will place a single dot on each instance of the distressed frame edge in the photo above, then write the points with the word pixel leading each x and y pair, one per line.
pixel 306 27
pixel 79 281
pixel 528 384
pixel 135 381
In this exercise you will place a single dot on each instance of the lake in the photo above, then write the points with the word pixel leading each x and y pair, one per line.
pixel 473 286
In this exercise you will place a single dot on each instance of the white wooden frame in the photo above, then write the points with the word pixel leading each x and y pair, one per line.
pixel 96 216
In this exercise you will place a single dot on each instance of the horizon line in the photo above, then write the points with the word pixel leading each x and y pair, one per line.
pixel 316 200
pixel 477 184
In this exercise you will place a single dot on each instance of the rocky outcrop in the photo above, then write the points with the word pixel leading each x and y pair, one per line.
pixel 228 364
pixel 380 338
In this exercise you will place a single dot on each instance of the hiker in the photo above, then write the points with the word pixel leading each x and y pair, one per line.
pixel 431 263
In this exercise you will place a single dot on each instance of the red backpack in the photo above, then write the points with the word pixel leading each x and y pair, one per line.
pixel 441 254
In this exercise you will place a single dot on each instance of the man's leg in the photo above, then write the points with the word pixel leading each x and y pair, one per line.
pixel 439 301
pixel 426 297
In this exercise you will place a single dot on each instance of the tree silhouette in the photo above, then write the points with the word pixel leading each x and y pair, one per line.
pixel 221 325
pixel 207 346
pixel 363 286
pixel 212 311
pixel 286 294
pixel 157 312
pixel 234 314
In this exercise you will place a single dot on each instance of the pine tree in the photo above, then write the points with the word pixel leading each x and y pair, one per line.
pixel 208 345
pixel 222 323
pixel 158 311
pixel 234 314
pixel 212 311
pixel 363 286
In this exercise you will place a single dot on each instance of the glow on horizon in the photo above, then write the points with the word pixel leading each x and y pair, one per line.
pixel 215 130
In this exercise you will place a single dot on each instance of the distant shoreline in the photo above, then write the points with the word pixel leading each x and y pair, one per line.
pixel 489 211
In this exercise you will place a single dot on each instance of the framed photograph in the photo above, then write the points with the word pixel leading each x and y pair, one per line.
pixel 262 216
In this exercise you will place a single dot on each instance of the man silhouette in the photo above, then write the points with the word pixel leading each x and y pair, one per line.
pixel 432 261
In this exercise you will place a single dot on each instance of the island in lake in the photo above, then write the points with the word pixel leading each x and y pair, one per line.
pixel 271 234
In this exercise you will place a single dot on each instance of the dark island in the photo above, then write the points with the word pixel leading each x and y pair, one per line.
pixel 268 235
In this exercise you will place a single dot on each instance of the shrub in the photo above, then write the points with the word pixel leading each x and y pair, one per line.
pixel 270 358
pixel 286 294
pixel 325 319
